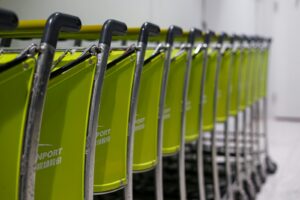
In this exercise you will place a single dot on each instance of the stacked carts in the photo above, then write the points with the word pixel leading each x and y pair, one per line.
pixel 174 115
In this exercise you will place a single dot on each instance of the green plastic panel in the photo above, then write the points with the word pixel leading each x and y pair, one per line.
pixel 264 73
pixel 15 87
pixel 234 82
pixel 193 99
pixel 251 75
pixel 257 74
pixel 145 139
pixel 7 57
pixel 244 78
pixel 223 86
pixel 111 147
pixel 208 106
pixel 61 152
pixel 173 104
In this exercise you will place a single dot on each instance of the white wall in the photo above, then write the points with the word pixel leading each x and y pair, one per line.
pixel 184 13
pixel 232 16
pixel 279 18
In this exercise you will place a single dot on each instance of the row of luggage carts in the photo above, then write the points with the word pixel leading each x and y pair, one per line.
pixel 142 113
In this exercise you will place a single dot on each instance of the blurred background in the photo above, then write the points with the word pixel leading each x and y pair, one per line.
pixel 278 19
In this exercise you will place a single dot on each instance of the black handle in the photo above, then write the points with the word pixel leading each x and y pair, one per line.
pixel 222 37
pixel 260 39
pixel 235 38
pixel 194 33
pixel 245 38
pixel 173 32
pixel 59 22
pixel 148 29
pixel 208 35
pixel 254 38
pixel 110 28
pixel 8 19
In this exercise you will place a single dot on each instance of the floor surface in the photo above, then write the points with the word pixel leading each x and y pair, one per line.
pixel 284 144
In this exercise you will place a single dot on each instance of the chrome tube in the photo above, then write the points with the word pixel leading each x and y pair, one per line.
pixel 93 120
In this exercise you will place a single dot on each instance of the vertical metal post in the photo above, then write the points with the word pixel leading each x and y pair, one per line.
pixel 173 31
pixel 147 29
pixel 55 23
pixel 226 131
pixel 216 183
pixel 110 28
pixel 200 160
pixel 190 46
pixel 247 169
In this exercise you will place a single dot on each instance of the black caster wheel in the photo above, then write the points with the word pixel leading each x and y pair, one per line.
pixel 271 166
pixel 255 182
pixel 249 190
pixel 261 174
pixel 239 195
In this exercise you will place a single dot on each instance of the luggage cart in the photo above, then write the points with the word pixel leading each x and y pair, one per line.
pixel 260 87
pixel 207 38
pixel 35 81
pixel 235 93
pixel 222 117
pixel 243 108
pixel 172 138
pixel 209 117
pixel 269 166
pixel 260 179
pixel 193 35
pixel 113 169
pixel 251 114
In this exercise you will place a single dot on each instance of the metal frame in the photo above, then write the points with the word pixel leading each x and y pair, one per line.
pixel 226 134
pixel 189 47
pixel 214 150
pixel 110 28
pixel 266 165
pixel 270 165
pixel 201 183
pixel 255 114
pixel 146 30
pixel 93 120
pixel 253 128
pixel 159 166
pixel 259 177
pixel 238 188
pixel 173 31
pixel 55 23
pixel 246 176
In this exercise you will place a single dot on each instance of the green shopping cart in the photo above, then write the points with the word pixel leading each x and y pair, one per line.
pixel 113 168
pixel 31 79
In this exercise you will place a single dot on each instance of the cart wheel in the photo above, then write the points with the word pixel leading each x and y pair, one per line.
pixel 239 195
pixel 255 182
pixel 249 190
pixel 260 173
pixel 271 166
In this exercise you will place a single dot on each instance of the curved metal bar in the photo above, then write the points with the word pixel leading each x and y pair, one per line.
pixel 147 29
pixel 173 32
pixel 110 28
pixel 200 168
pixel 194 33
pixel 55 23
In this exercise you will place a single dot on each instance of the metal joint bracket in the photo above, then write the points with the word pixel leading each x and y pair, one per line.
pixel 44 47
pixel 30 51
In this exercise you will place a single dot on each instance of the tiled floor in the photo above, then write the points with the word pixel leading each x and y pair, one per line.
pixel 284 143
